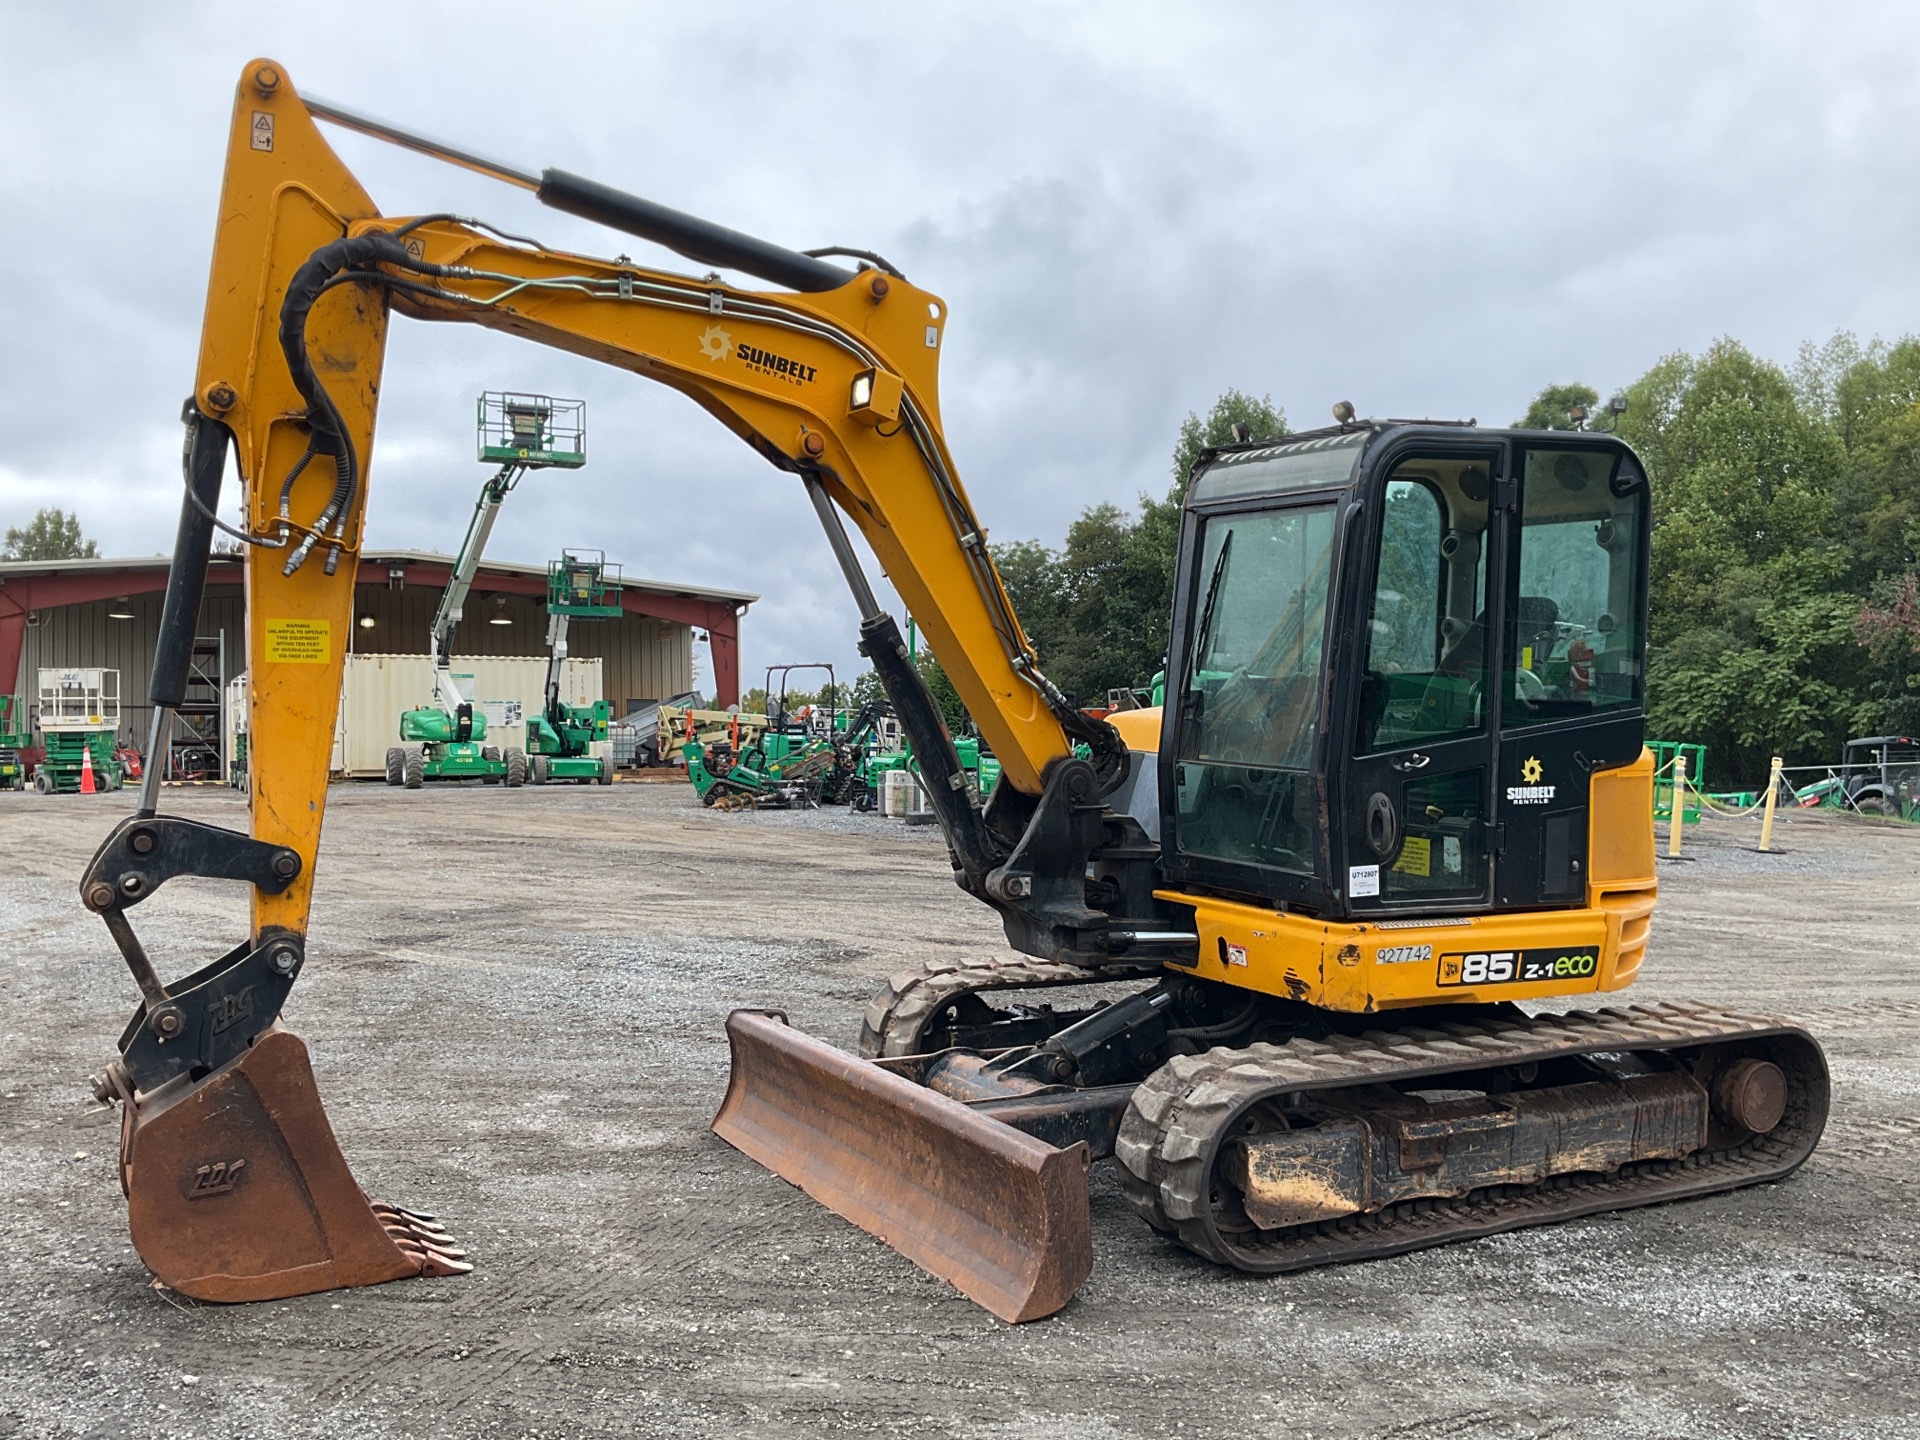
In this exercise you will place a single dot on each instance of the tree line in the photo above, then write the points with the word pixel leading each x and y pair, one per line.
pixel 1785 584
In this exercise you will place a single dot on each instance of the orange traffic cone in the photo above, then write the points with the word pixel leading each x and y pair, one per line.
pixel 86 771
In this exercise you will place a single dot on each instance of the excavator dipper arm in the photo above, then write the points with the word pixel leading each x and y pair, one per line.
pixel 837 382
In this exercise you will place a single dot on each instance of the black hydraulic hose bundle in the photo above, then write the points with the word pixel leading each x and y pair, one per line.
pixel 327 430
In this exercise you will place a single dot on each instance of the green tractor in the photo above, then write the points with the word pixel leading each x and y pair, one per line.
pixel 581 585
pixel 978 764
pixel 799 759
pixel 445 739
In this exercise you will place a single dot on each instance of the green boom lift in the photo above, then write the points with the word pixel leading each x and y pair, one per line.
pixel 580 586
pixel 443 740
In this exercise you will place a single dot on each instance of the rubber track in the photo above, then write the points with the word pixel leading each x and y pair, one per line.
pixel 1172 1128
pixel 896 1017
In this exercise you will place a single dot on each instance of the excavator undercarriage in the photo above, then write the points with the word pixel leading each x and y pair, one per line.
pixel 1275 1139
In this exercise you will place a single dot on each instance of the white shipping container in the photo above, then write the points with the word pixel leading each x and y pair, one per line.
pixel 378 687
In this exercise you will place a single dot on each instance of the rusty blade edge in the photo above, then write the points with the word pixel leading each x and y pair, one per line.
pixel 1001 1216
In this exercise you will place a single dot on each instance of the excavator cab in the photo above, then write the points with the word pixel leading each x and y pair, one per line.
pixel 1403 651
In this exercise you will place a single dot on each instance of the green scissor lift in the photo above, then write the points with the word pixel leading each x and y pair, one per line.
pixel 79 716
pixel 444 740
pixel 581 585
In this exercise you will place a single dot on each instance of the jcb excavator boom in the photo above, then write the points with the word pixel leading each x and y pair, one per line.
pixel 836 383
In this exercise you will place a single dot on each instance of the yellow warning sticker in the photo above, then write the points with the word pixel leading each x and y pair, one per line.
pixel 1416 856
pixel 299 642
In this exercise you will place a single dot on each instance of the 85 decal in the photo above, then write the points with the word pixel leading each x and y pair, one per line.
pixel 1518 967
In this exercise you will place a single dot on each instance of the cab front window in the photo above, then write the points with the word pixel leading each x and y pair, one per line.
pixel 1251 708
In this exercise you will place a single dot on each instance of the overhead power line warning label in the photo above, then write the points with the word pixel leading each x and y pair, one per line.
pixel 299 642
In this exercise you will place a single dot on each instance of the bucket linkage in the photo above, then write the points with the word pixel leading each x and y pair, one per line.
pixel 236 1188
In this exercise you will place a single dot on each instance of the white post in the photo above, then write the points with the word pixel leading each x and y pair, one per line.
pixel 1678 821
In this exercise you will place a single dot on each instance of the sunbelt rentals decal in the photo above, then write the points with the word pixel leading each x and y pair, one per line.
pixel 717 345
pixel 1530 791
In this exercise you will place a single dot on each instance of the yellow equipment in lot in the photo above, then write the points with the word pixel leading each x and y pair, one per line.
pixel 1398 787
pixel 677 724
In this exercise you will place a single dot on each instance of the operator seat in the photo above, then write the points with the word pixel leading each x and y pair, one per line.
pixel 1536 626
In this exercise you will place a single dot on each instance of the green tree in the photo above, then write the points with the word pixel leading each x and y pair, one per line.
pixel 866 689
pixel 1888 625
pixel 1562 407
pixel 1264 421
pixel 1097 608
pixel 1751 647
pixel 952 710
pixel 50 535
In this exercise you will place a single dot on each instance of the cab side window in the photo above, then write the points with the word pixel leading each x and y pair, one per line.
pixel 1572 644
pixel 1426 640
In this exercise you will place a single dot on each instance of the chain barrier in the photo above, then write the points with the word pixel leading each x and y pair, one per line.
pixel 1684 785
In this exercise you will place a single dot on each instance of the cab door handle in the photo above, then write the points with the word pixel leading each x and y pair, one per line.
pixel 1413 762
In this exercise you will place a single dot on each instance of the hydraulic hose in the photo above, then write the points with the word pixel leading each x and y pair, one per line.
pixel 326 429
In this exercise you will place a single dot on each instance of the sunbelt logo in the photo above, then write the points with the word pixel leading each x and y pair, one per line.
pixel 1531 791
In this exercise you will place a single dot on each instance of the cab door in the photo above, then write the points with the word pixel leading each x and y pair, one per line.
pixel 1419 789
pixel 1572 656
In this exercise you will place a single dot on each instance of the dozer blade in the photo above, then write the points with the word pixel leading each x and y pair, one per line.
pixel 996 1213
pixel 236 1188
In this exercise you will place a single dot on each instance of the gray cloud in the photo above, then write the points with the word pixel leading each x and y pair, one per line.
pixel 1428 210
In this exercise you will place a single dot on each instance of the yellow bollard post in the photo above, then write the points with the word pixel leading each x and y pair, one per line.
pixel 1773 797
pixel 1678 819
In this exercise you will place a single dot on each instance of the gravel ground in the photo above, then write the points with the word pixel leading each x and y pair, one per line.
pixel 514 1001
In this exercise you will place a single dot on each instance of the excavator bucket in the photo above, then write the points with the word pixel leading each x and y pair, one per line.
pixel 236 1188
pixel 998 1214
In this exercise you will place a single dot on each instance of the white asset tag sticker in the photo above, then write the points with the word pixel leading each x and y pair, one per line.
pixel 1363 880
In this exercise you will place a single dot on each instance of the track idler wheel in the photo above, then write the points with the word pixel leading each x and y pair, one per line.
pixel 1751 1095
pixel 237 1190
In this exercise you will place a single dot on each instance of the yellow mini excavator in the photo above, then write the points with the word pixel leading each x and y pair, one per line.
pixel 1398 795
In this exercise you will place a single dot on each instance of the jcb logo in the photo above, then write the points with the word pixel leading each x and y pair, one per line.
pixel 1485 967
pixel 230 1008
pixel 215 1179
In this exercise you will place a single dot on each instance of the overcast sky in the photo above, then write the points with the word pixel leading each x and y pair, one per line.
pixel 1428 209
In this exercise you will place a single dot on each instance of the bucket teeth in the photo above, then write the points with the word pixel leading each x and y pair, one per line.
pixel 237 1190
pixel 419 1215
pixel 413 1220
pixel 422 1240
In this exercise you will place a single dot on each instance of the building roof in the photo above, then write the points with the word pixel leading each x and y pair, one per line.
pixel 369 559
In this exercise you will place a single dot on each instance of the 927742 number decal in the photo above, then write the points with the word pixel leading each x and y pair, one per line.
pixel 1517 967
